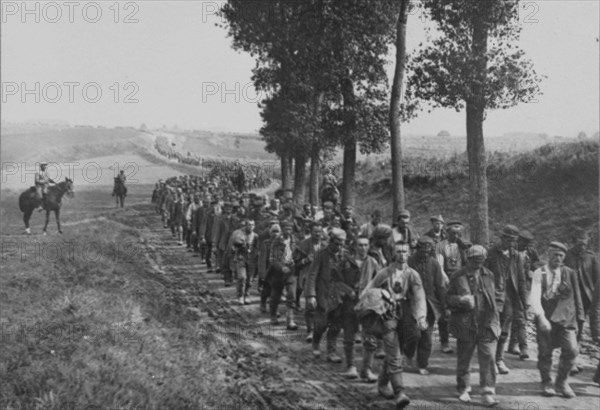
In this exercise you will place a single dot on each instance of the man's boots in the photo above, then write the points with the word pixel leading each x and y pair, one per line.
pixel 561 385
pixel 291 325
pixel 309 330
pixel 383 386
pixel 332 356
pixel 401 400
pixel 365 373
pixel 502 368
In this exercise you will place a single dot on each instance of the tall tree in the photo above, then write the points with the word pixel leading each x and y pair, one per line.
pixel 395 109
pixel 474 63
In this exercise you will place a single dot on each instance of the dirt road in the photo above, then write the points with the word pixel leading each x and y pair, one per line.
pixel 277 365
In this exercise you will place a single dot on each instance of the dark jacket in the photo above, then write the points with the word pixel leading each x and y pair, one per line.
pixel 436 239
pixel 465 324
pixel 387 254
pixel 586 266
pixel 357 277
pixel 508 267
pixel 302 262
pixel 323 271
pixel 433 280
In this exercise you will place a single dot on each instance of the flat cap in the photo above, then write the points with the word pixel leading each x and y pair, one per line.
pixel 477 251
pixel 404 212
pixel 455 225
pixel 285 223
pixel 338 234
pixel 424 240
pixel 327 204
pixel 275 228
pixel 559 245
pixel 510 231
pixel 437 218
pixel 382 231
pixel 526 235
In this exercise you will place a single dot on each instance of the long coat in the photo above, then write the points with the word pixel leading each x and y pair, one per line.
pixel 302 252
pixel 468 325
pixel 322 273
pixel 588 274
pixel 434 282
pixel 515 266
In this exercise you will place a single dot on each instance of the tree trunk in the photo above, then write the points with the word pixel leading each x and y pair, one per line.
pixel 478 187
pixel 349 167
pixel 300 179
pixel 286 175
pixel 395 107
pixel 314 177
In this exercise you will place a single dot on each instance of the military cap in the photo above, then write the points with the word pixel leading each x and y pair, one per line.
pixel 437 218
pixel 477 251
pixel 559 245
pixel 285 223
pixel 275 228
pixel 510 231
pixel 455 225
pixel 327 204
pixel 404 212
pixel 338 234
pixel 382 231
pixel 273 220
pixel 424 240
pixel 526 235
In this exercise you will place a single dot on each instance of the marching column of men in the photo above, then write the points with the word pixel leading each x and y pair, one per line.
pixel 388 286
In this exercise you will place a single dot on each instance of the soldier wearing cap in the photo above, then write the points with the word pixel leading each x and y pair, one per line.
pixel 224 226
pixel 518 332
pixel 475 322
pixel 508 267
pixel 368 228
pixel 282 274
pixel 437 231
pixel 41 184
pixel 451 254
pixel 410 304
pixel 265 239
pixel 328 214
pixel 404 231
pixel 585 263
pixel 323 272
pixel 212 218
pixel 435 286
pixel 555 301
pixel 304 255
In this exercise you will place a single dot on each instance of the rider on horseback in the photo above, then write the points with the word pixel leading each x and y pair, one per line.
pixel 120 180
pixel 329 179
pixel 41 185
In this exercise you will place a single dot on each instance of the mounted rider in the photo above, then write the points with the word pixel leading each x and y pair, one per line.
pixel 41 185
pixel 330 180
pixel 120 180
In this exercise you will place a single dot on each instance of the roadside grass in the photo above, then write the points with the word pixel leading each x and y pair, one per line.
pixel 86 322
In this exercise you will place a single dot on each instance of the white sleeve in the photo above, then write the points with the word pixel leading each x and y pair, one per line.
pixel 535 296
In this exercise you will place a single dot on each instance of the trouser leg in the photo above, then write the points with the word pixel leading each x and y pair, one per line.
pixel 265 292
pixel 350 325
pixel 242 276
pixel 520 328
pixel 276 292
pixel 334 327
pixel 545 347
pixel 208 254
pixel 487 366
pixel 464 351
pixel 443 329
pixel 424 348
pixel 290 292
pixel 569 350
pixel 393 357
pixel 309 317
pixel 320 325
pixel 505 322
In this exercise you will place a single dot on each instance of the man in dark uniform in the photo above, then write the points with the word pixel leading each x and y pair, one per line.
pixel 507 265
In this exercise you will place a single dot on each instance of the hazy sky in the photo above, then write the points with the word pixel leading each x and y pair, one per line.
pixel 175 67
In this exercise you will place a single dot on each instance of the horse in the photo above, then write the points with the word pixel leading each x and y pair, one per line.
pixel 331 194
pixel 119 192
pixel 29 201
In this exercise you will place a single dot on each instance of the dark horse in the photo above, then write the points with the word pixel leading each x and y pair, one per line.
pixel 29 201
pixel 119 192
pixel 330 193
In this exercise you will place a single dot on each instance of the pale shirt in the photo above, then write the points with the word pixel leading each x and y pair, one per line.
pixel 287 253
pixel 535 296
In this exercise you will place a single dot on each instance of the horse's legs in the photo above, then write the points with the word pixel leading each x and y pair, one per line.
pixel 57 216
pixel 47 220
pixel 123 201
pixel 26 217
